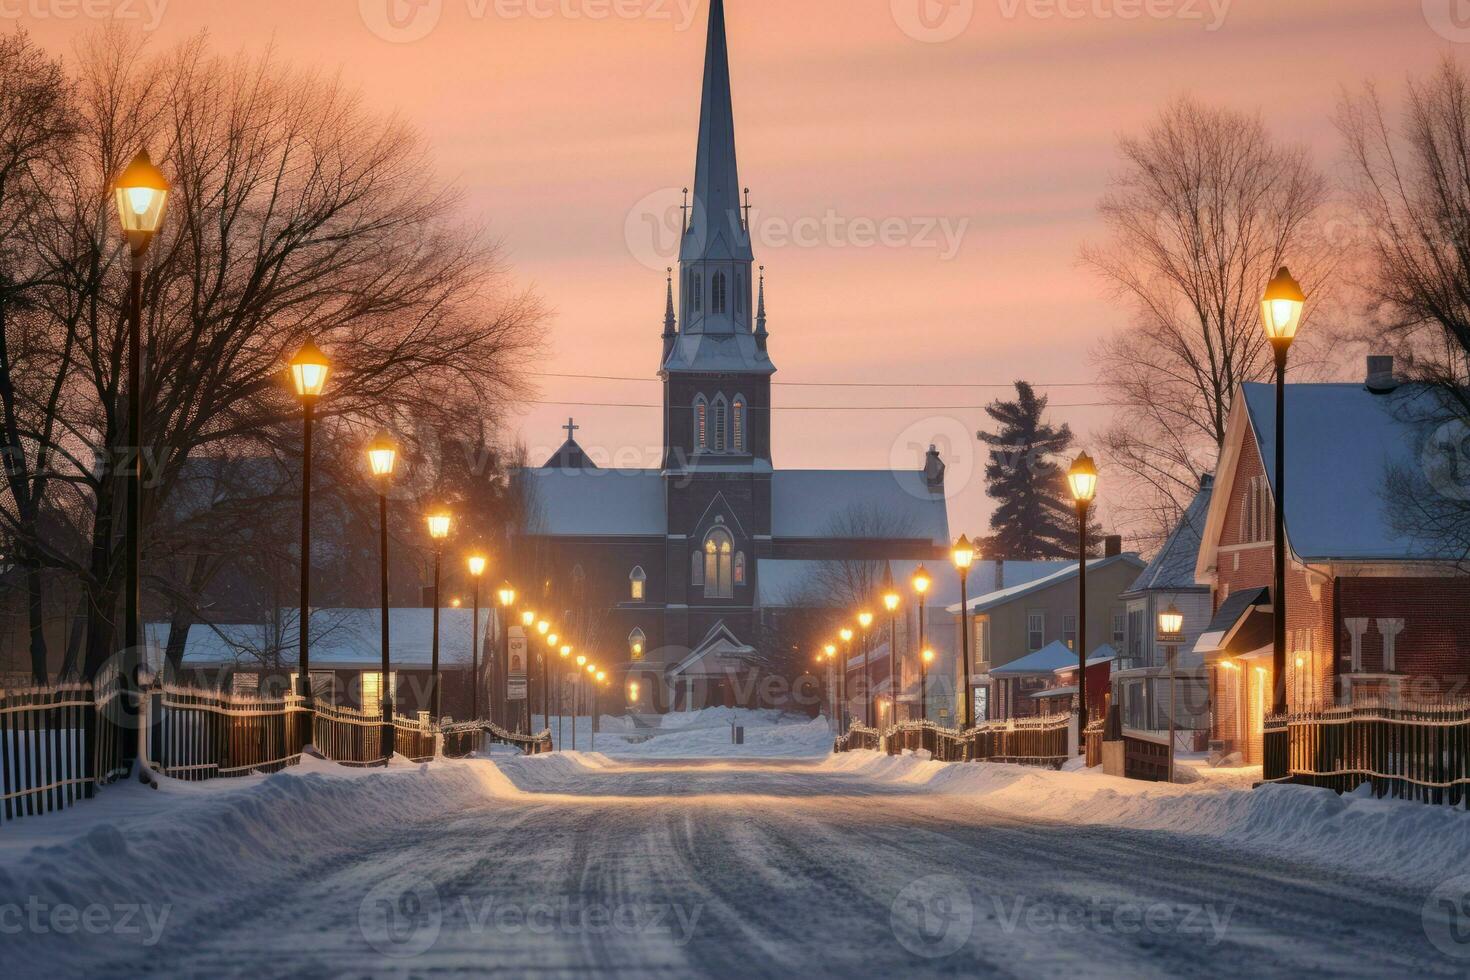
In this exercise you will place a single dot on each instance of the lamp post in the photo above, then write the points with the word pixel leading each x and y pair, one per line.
pixel 1281 312
pixel 476 565
pixel 552 642
pixel 576 690
pixel 561 694
pixel 847 635
pixel 528 619
pixel 309 370
pixel 383 457
pixel 439 523
pixel 600 679
pixel 141 194
pixel 891 599
pixel 865 621
pixel 963 555
pixel 921 582
pixel 831 651
pixel 925 659
pixel 1171 635
pixel 507 597
pixel 1083 481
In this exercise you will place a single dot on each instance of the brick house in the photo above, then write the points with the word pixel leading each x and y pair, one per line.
pixel 1378 602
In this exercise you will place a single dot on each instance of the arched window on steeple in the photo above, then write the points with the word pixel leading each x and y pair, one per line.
pixel 701 424
pixel 717 293
pixel 720 423
pixel 697 291
pixel 738 425
pixel 739 293
pixel 637 644
pixel 638 584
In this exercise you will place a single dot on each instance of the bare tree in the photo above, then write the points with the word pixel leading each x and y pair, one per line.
pixel 1206 207
pixel 296 214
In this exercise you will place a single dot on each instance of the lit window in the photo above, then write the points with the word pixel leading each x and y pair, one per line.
pixel 719 560
pixel 637 644
pixel 639 582
pixel 372 693
pixel 737 424
pixel 243 685
pixel 739 568
pixel 701 424
pixel 719 440
pixel 1069 631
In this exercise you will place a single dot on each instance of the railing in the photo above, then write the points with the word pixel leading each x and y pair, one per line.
pixel 462 741
pixel 198 735
pixel 1040 741
pixel 1145 756
pixel 1275 750
pixel 859 738
pixel 1402 750
pixel 1093 739
pixel 44 736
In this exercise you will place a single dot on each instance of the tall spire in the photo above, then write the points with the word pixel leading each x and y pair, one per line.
pixel 671 322
pixel 760 314
pixel 716 230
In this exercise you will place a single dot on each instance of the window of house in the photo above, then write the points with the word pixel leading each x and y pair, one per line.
pixel 737 426
pixel 719 561
pixel 1035 630
pixel 1120 631
pixel 1069 631
pixel 717 293
pixel 1136 619
pixel 982 645
pixel 638 584
pixel 701 424
pixel 637 644
pixel 372 692
pixel 739 568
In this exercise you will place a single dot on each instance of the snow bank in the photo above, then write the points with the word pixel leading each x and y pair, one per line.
pixel 706 734
pixel 1390 839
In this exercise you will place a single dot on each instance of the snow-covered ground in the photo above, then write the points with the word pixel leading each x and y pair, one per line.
pixel 704 734
pixel 855 865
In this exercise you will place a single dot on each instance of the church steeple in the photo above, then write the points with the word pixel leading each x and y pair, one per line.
pixel 760 315
pixel 671 322
pixel 717 230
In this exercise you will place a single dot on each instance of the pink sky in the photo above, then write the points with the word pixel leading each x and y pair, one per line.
pixel 561 118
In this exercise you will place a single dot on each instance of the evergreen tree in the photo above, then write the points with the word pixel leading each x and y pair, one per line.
pixel 1036 518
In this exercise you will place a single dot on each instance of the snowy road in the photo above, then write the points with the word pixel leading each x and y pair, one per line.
pixel 784 869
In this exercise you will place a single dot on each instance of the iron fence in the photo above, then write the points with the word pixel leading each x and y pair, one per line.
pixel 1405 750
pixel 45 735
pixel 196 735
pixel 1040 741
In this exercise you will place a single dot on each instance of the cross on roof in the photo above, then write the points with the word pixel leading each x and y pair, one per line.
pixel 571 428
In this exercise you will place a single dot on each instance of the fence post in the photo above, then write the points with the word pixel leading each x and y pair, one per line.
pixel 1074 736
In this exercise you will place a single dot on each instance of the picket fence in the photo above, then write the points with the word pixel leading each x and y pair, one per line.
pixel 1042 741
pixel 59 743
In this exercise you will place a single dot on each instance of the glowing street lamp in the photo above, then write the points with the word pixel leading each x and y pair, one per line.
pixel 507 597
pixel 891 600
pixel 921 583
pixel 439 522
pixel 830 650
pixel 382 455
pixel 476 565
pixel 141 193
pixel 925 660
pixel 309 372
pixel 528 618
pixel 865 622
pixel 561 693
pixel 1281 312
pixel 1082 478
pixel 1171 635
pixel 846 634
pixel 963 556
pixel 543 627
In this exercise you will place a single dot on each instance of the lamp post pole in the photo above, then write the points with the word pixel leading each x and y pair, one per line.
pixel 383 456
pixel 1083 481
pixel 475 653
pixel 867 683
pixel 891 599
pixel 309 371
pixel 142 197
pixel 846 635
pixel 921 582
pixel 964 557
pixel 1281 311
pixel 439 523
pixel 924 659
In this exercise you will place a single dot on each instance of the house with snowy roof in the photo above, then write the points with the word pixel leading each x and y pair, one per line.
pixel 260 659
pixel 1378 602
pixel 1020 620
pixel 1141 686
pixel 668 566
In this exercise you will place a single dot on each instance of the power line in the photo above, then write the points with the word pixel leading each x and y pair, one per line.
pixel 809 408
pixel 833 384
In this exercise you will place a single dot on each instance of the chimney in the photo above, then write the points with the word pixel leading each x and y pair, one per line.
pixel 1000 573
pixel 934 471
pixel 1381 380
pixel 1112 546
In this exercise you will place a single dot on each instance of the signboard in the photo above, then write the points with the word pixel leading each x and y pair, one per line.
pixel 515 673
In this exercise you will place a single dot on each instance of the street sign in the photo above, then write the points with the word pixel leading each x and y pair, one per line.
pixel 515 674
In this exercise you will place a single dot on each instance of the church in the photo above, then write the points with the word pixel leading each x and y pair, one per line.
pixel 673 576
